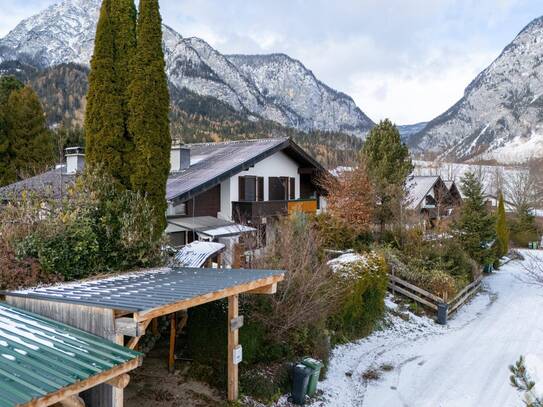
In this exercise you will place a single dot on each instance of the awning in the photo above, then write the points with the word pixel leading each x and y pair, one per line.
pixel 43 362
pixel 208 226
pixel 196 254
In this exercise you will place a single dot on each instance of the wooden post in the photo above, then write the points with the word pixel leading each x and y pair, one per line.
pixel 233 341
pixel 155 326
pixel 171 358
pixel 118 393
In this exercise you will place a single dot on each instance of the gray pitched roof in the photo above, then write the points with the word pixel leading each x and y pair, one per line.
pixel 212 163
pixel 418 188
pixel 53 183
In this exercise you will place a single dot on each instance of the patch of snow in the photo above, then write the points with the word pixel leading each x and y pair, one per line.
pixel 463 364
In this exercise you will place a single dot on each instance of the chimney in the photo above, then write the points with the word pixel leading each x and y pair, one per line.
pixel 75 160
pixel 179 158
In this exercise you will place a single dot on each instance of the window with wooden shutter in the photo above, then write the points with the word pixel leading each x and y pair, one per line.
pixel 241 188
pixel 260 189
pixel 278 187
pixel 292 189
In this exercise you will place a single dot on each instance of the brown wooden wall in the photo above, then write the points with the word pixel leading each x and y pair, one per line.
pixel 206 204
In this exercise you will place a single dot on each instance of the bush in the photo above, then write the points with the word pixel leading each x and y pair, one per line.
pixel 98 227
pixel 439 266
pixel 364 285
pixel 18 273
pixel 338 235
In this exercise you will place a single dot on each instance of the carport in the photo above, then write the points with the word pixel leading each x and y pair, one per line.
pixel 124 306
pixel 43 362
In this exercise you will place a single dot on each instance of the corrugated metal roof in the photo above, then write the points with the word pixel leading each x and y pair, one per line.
pixel 207 225
pixel 196 254
pixel 39 356
pixel 148 289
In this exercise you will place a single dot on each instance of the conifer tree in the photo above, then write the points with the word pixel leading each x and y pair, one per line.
pixel 149 108
pixel 108 141
pixel 476 226
pixel 502 230
pixel 388 164
pixel 8 84
pixel 31 143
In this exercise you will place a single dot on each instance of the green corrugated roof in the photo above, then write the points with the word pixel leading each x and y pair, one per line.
pixel 39 356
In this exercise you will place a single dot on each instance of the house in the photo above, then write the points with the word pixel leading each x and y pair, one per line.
pixel 431 199
pixel 216 191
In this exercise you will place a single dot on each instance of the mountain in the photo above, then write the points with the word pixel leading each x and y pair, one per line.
pixel 409 130
pixel 500 116
pixel 266 87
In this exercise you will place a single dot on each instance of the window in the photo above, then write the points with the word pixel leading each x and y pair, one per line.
pixel 278 189
pixel 251 189
pixel 292 188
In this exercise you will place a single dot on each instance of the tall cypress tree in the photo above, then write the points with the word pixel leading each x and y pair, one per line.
pixel 502 230
pixel 108 141
pixel 149 108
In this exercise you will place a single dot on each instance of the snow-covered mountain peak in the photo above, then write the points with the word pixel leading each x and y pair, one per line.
pixel 272 87
pixel 501 114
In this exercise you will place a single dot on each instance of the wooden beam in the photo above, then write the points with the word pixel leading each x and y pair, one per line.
pixel 133 342
pixel 119 382
pixel 268 289
pixel 72 401
pixel 155 327
pixel 129 327
pixel 173 334
pixel 233 341
pixel 203 299
pixel 118 393
pixel 76 388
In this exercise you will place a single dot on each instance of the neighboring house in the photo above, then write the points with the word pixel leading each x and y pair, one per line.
pixel 215 191
pixel 251 183
pixel 431 199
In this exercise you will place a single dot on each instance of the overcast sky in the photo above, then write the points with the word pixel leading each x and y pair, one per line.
pixel 408 60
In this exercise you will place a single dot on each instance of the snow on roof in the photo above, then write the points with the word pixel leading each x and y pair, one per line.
pixel 196 254
pixel 39 356
pixel 418 188
pixel 230 230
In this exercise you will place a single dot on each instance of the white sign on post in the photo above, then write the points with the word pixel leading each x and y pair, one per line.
pixel 238 355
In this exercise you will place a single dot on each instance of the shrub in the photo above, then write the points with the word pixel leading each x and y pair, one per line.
pixel 338 235
pixel 364 284
pixel 97 227
pixel 18 273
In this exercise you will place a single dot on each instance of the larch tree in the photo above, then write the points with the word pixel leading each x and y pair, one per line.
pixel 108 141
pixel 502 230
pixel 350 197
pixel 31 142
pixel 149 109
pixel 388 164
pixel 475 227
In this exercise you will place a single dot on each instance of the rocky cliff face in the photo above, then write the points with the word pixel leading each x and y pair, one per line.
pixel 501 114
pixel 271 87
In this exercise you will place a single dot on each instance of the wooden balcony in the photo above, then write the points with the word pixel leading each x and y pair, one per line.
pixel 253 212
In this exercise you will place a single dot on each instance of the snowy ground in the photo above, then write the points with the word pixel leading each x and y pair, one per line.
pixel 465 364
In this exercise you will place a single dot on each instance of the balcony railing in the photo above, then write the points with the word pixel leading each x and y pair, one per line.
pixel 244 211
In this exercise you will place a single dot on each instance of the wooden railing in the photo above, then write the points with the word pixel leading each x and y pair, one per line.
pixel 426 298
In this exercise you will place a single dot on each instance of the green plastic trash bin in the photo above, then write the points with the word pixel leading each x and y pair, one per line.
pixel 316 366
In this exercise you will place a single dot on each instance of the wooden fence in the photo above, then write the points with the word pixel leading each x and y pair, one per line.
pixel 421 296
